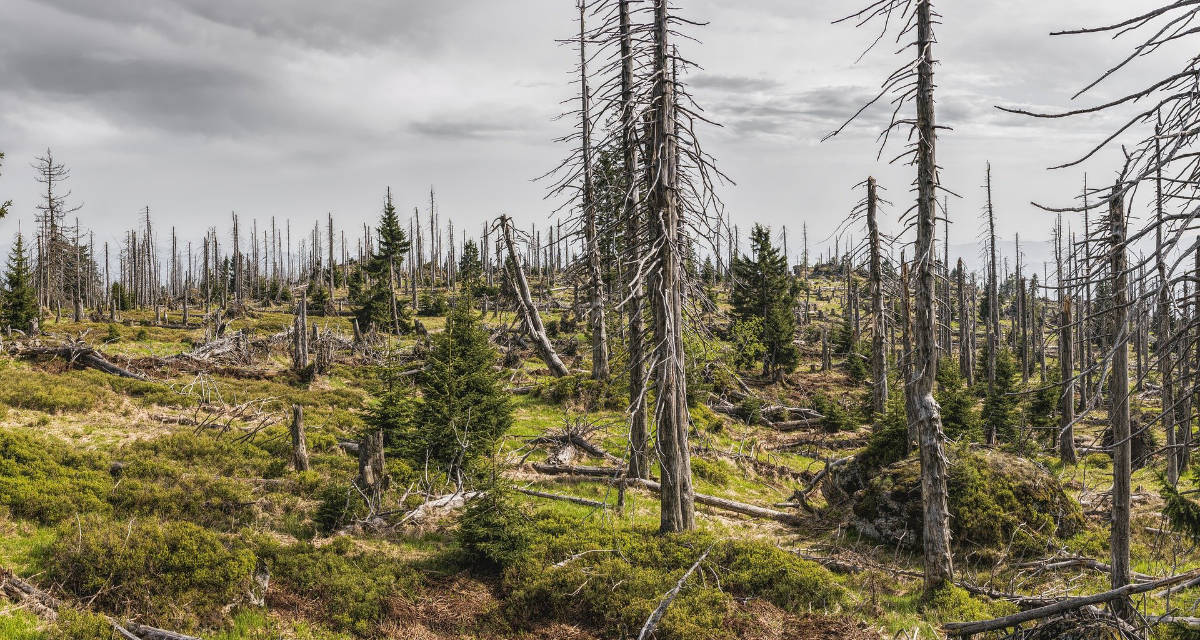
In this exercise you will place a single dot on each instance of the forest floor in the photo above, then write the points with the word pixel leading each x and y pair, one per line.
pixel 160 501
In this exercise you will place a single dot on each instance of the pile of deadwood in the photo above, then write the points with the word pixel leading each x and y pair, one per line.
pixel 46 606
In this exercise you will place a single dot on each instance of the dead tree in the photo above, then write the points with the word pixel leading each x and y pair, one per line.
pixel 665 287
pixel 966 329
pixel 600 368
pixel 1066 361
pixel 639 435
pixel 299 442
pixel 913 82
pixel 879 391
pixel 1119 392
pixel 372 471
pixel 993 298
pixel 526 305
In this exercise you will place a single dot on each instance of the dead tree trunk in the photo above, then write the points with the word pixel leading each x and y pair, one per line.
pixel 1066 434
pixel 939 564
pixel 879 392
pixel 299 442
pixel 1119 390
pixel 966 359
pixel 600 368
pixel 372 472
pixel 993 293
pixel 1165 348
pixel 678 511
pixel 639 435
pixel 529 312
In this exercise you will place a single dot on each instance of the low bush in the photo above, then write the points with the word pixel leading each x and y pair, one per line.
pixel 172 574
pixel 163 490
pixel 350 589
pixel 715 472
pixel 622 578
pixel 338 506
pixel 45 480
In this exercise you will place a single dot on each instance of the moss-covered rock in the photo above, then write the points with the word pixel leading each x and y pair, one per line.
pixel 997 501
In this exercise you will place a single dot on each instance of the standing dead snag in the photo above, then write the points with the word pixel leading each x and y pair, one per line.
pixel 526 305
pixel 372 472
pixel 1119 392
pixel 1066 360
pixel 299 442
pixel 639 435
pixel 665 289
pixel 600 369
pixel 913 82
pixel 879 392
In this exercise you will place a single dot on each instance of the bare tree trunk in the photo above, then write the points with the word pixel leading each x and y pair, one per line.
pixel 600 367
pixel 678 511
pixel 529 312
pixel 639 436
pixel 299 442
pixel 879 392
pixel 993 329
pixel 1165 348
pixel 372 471
pixel 966 366
pixel 1119 389
pixel 939 564
pixel 1066 435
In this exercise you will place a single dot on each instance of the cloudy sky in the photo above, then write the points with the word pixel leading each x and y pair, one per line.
pixel 292 108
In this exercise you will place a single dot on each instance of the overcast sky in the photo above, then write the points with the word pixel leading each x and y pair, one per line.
pixel 293 108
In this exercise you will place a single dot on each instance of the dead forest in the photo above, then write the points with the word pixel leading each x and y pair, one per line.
pixel 644 416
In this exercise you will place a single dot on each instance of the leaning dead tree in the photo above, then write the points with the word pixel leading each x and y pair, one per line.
pixel 528 308
pixel 912 84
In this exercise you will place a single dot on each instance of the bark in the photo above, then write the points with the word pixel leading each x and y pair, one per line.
pixel 1119 416
pixel 666 292
pixel 993 329
pixel 600 367
pixel 299 442
pixel 639 434
pixel 529 312
pixel 372 472
pixel 1066 434
pixel 879 392
pixel 1165 349
pixel 939 564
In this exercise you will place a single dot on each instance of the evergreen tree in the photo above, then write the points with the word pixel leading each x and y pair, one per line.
pixel 959 417
pixel 18 304
pixel 374 300
pixel 470 267
pixel 999 407
pixel 764 289
pixel 463 409
pixel 1042 412
pixel 7 203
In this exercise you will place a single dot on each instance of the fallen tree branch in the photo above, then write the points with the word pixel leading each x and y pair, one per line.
pixel 558 496
pixel 661 609
pixel 77 352
pixel 1068 604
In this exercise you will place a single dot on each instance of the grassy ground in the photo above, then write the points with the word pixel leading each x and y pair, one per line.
pixel 221 500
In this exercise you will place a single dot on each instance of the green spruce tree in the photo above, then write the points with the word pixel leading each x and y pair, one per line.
pixel 376 298
pixel 470 267
pixel 763 289
pixel 463 409
pixel 18 304
pixel 1000 405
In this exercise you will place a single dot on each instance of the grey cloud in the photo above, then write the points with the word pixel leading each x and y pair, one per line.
pixel 732 84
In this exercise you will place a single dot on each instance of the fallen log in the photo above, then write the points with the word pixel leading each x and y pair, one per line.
pixel 558 496
pixel 444 503
pixel 1068 604
pixel 580 443
pixel 615 475
pixel 81 353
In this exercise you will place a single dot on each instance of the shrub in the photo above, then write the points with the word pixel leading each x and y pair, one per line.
pixel 339 505
pixel 113 334
pixel 493 530
pixel 959 418
pixel 431 305
pixel 352 590
pixel 157 488
pixel 173 573
pixel 41 391
pixel 45 480
pixel 76 624
pixel 715 472
pixel 616 590
pixel 836 417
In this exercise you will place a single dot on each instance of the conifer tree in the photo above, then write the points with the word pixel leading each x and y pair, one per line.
pixel 376 304
pixel 18 304
pixel 764 290
pixel 999 407
pixel 463 409
pixel 470 267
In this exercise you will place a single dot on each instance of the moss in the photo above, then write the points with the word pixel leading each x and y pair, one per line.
pixel 75 624
pixel 175 574
pixel 715 472
pixel 43 479
pixel 951 603
pixel 997 501
pixel 623 573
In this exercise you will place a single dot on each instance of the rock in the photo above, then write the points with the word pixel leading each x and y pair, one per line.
pixel 998 501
